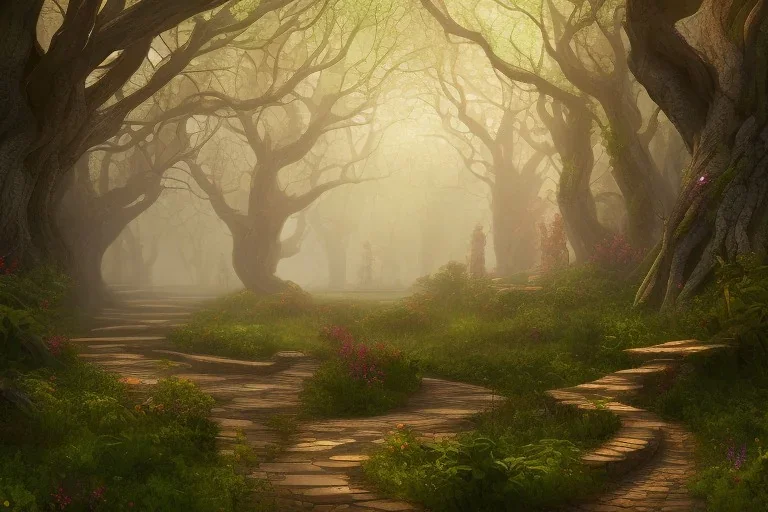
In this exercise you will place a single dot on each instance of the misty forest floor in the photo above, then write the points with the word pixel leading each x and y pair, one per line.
pixel 502 350
pixel 521 343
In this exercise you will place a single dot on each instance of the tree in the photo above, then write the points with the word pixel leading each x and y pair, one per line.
pixel 488 141
pixel 343 94
pixel 92 215
pixel 574 46
pixel 570 123
pixel 714 94
pixel 64 95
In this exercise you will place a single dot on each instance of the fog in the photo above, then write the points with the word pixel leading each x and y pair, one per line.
pixel 358 148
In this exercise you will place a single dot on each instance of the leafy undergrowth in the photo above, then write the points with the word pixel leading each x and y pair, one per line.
pixel 723 398
pixel 360 380
pixel 524 455
pixel 72 437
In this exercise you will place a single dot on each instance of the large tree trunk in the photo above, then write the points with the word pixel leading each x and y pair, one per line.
pixel 256 253
pixel 17 124
pixel 716 99
pixel 648 197
pixel 514 229
pixel 722 210
pixel 571 132
pixel 335 242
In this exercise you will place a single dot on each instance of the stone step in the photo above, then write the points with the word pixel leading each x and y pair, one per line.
pixel 641 432
pixel 677 349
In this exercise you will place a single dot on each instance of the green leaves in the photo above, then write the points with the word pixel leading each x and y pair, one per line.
pixel 477 472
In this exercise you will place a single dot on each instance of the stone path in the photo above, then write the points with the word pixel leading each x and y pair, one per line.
pixel 652 457
pixel 320 471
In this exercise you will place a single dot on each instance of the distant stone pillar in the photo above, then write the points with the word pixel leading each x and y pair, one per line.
pixel 477 252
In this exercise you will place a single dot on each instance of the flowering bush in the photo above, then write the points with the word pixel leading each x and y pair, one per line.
pixel 554 245
pixel 336 334
pixel 361 362
pixel 360 378
pixel 57 344
pixel 615 253
pixel 8 268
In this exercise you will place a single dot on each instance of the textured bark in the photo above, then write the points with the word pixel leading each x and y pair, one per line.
pixel 647 195
pixel 17 124
pixel 571 131
pixel 91 222
pixel 50 115
pixel 256 253
pixel 716 99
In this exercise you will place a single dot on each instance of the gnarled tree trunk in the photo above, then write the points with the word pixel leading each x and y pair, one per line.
pixel 716 99
pixel 17 124
pixel 571 131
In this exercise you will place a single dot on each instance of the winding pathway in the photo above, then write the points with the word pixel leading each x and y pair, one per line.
pixel 320 470
pixel 651 458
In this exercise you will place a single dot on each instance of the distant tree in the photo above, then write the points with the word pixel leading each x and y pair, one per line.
pixel 340 96
pixel 366 266
pixel 570 121
pixel 482 129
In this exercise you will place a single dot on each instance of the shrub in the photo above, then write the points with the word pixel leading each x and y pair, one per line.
pixel 450 289
pixel 359 380
pixel 229 339
pixel 554 245
pixel 409 317
pixel 71 438
pixel 616 253
pixel 475 472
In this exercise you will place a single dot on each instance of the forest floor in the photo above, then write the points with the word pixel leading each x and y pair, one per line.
pixel 318 466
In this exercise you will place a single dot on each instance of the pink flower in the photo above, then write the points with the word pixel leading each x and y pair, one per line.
pixel 56 344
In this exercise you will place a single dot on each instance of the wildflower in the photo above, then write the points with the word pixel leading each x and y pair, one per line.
pixel 56 344
pixel 400 426
pixel 6 503
pixel 61 498
pixel 137 408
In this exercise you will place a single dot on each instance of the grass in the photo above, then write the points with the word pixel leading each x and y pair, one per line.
pixel 73 437
pixel 518 343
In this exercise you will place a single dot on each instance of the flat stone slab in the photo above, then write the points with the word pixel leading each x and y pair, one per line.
pixel 678 349
pixel 310 480
pixel 215 359
pixel 117 339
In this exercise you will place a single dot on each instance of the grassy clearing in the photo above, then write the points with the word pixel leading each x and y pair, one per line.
pixel 72 437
